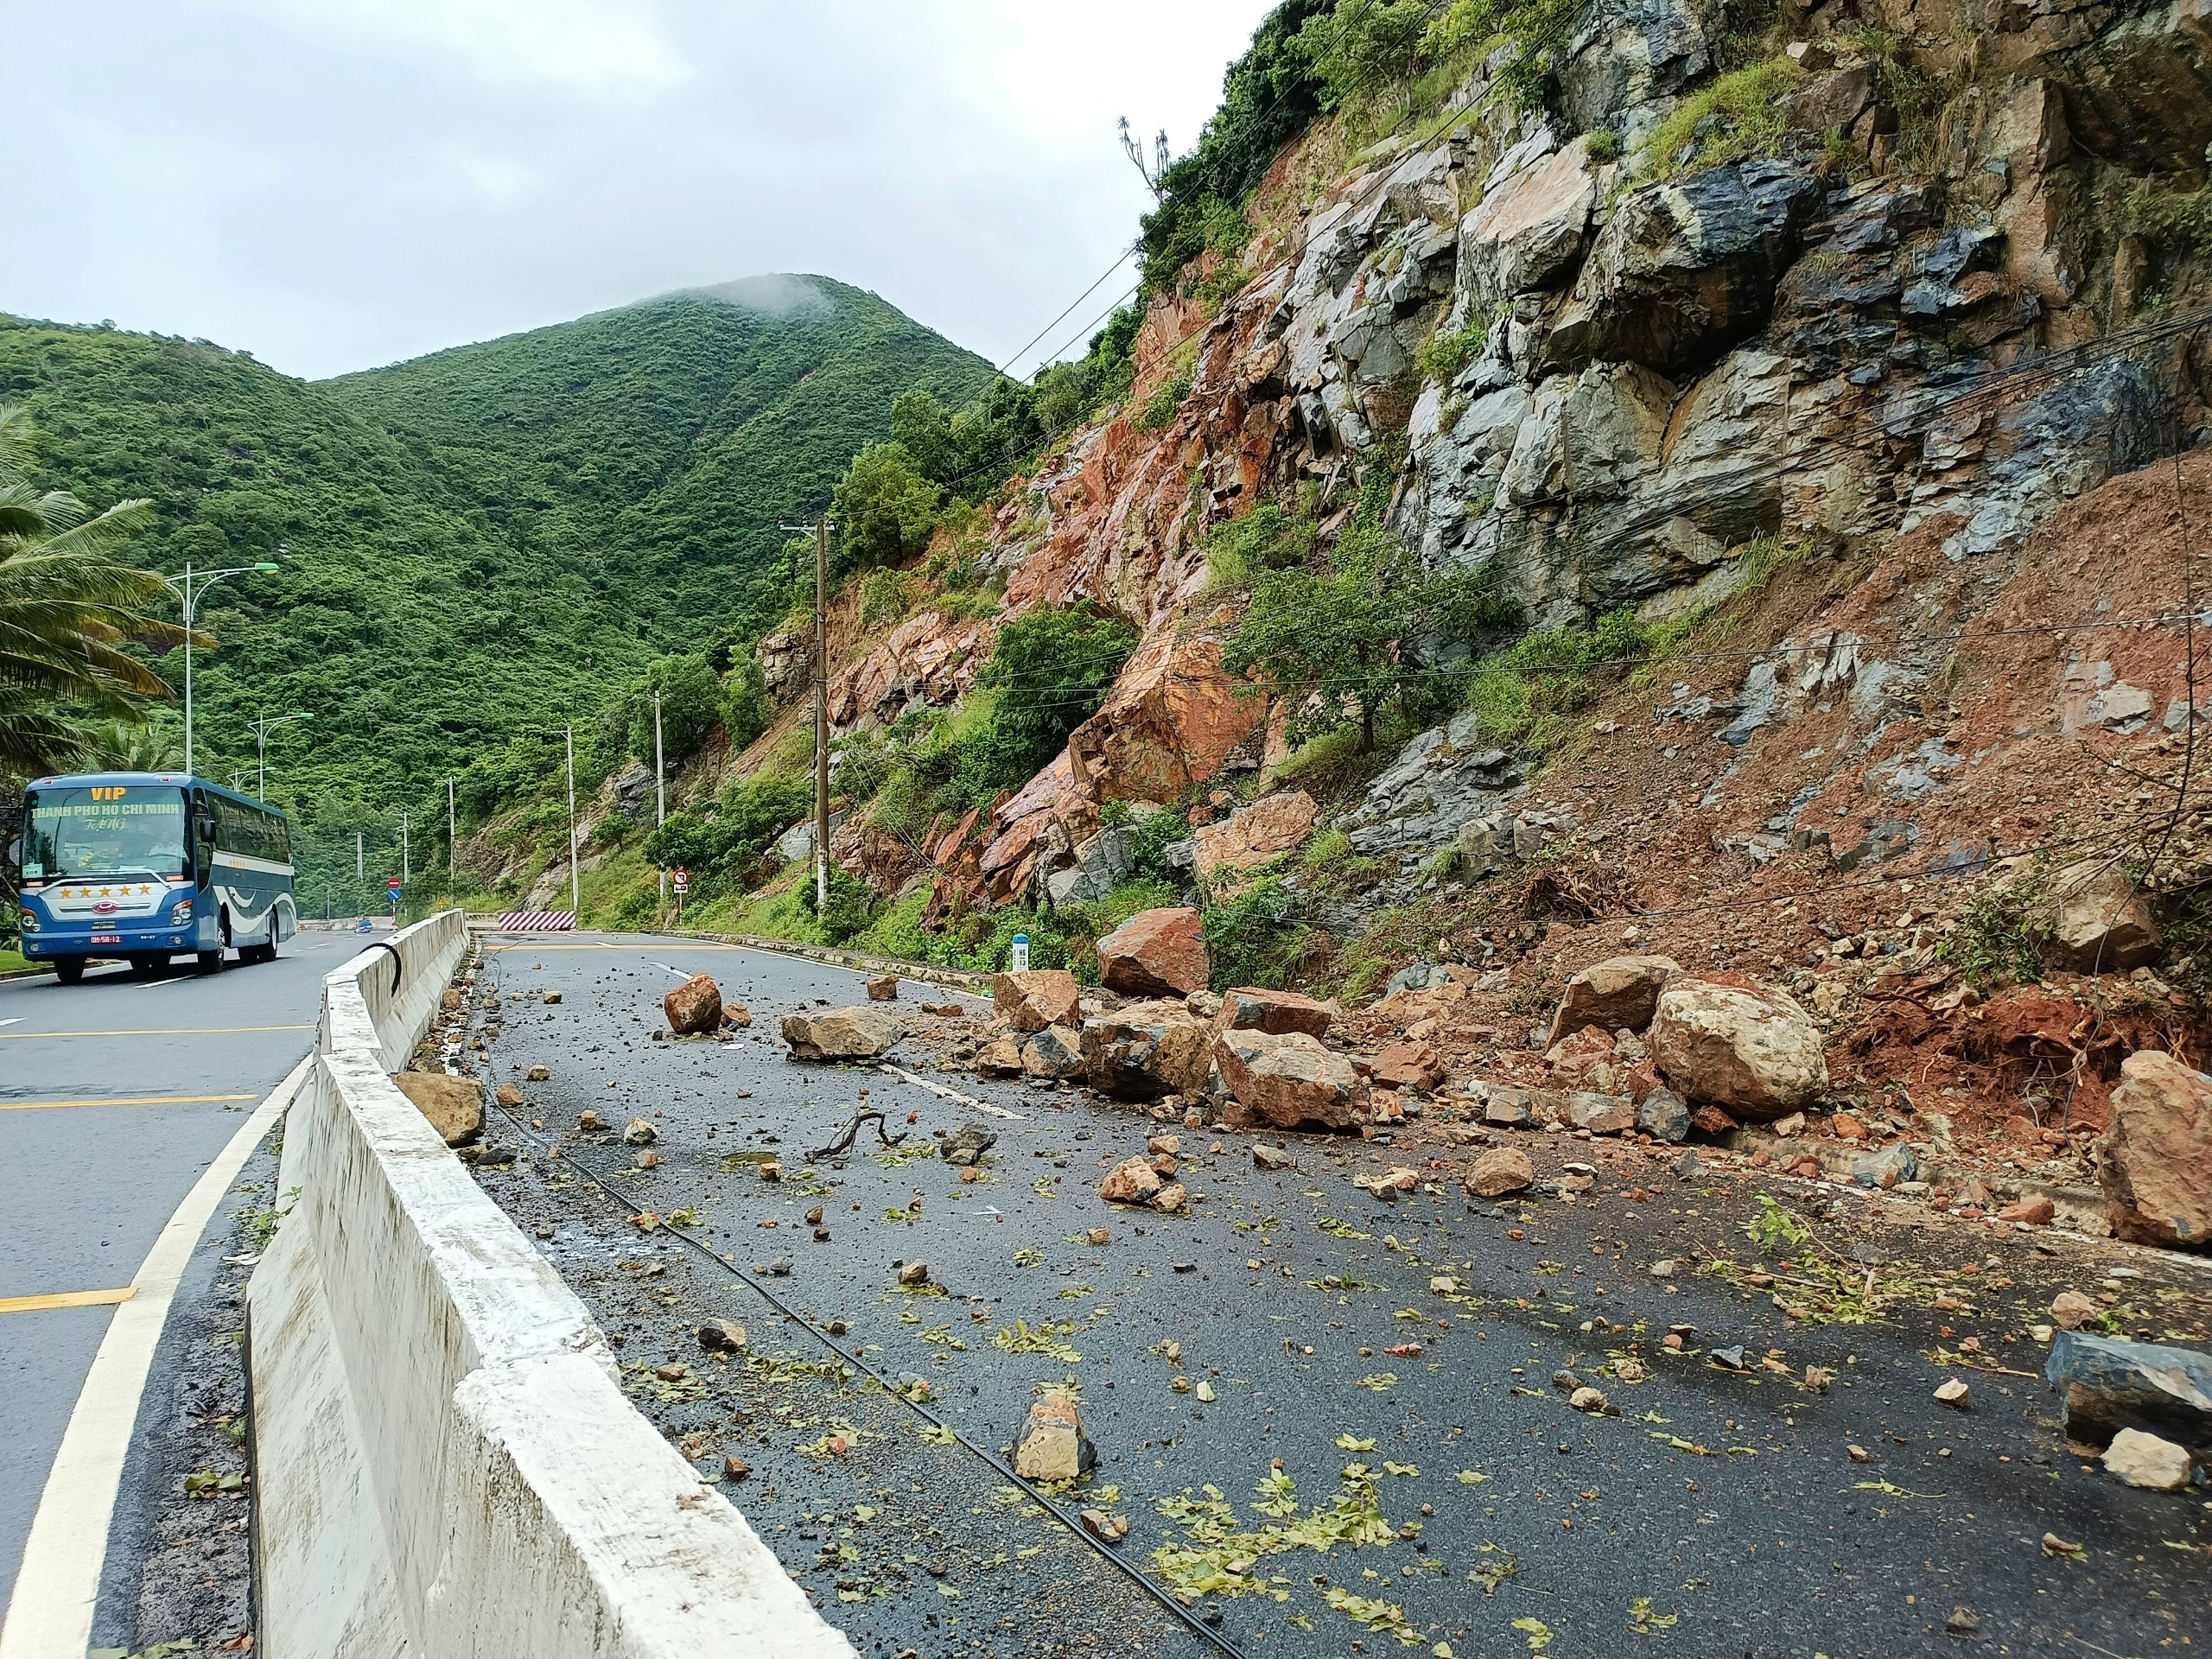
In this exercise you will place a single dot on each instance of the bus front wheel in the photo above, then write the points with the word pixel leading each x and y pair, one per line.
pixel 69 969
pixel 264 952
pixel 208 962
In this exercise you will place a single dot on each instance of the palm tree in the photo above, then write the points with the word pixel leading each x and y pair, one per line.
pixel 67 609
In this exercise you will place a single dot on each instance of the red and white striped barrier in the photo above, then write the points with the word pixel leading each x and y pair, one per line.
pixel 537 921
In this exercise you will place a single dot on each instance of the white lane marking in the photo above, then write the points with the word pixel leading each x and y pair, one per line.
pixel 17 1021
pixel 668 968
pixel 943 1092
pixel 50 1616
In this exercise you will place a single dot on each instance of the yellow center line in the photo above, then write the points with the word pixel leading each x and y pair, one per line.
pixel 166 1030
pixel 66 1299
pixel 122 1100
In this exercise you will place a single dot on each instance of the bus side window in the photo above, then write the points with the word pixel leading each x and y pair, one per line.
pixel 203 836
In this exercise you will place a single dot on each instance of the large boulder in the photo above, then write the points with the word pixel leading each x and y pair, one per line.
pixel 855 1033
pixel 1037 997
pixel 2111 1385
pixel 2157 1153
pixel 1146 1050
pixel 1618 993
pixel 693 1006
pixel 455 1106
pixel 2099 924
pixel 1756 1053
pixel 1055 1052
pixel 1248 1009
pixel 1290 1081
pixel 1175 713
pixel 1252 834
pixel 1154 953
pixel 1527 233
pixel 1681 271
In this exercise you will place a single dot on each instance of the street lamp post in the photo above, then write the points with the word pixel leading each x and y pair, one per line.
pixel 191 590
pixel 261 740
pixel 576 887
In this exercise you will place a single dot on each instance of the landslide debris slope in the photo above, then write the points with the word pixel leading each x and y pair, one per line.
pixel 1800 395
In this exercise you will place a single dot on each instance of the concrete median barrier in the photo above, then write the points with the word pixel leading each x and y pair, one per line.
pixel 444 1462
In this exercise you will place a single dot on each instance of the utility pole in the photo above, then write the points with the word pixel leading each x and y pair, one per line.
pixel 821 715
pixel 575 881
pixel 450 837
pixel 821 709
pixel 406 870
pixel 660 790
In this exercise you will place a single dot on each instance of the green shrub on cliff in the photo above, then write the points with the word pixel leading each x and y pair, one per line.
pixel 1736 117
pixel 884 509
pixel 1346 641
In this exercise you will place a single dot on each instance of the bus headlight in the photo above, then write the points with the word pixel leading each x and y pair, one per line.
pixel 181 913
pixel 30 919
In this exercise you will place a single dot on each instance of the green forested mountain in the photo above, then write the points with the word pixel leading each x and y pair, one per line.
pixel 477 545
pixel 680 431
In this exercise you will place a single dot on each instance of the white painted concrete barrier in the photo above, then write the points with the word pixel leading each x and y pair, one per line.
pixel 444 1464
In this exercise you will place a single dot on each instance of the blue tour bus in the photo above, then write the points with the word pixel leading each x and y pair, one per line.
pixel 142 867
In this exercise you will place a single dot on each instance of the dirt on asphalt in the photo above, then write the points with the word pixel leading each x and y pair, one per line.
pixel 1333 1424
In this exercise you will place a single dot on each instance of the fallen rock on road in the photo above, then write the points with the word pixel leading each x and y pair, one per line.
pixel 1037 998
pixel 855 1033
pixel 1154 953
pixel 1290 1080
pixel 1758 1055
pixel 1499 1171
pixel 2111 1385
pixel 694 1006
pixel 1053 1445
pixel 453 1106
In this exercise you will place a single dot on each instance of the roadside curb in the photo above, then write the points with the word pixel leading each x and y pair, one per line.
pixel 443 1453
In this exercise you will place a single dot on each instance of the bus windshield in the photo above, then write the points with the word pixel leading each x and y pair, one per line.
pixel 106 830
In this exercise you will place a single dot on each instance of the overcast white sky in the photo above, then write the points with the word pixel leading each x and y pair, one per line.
pixel 333 184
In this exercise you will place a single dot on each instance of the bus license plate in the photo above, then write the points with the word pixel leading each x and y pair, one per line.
pixel 106 938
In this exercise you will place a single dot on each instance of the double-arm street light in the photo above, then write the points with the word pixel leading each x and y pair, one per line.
pixel 191 588
pixel 261 741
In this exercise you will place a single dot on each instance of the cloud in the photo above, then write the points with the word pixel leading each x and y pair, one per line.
pixel 334 184
pixel 601 48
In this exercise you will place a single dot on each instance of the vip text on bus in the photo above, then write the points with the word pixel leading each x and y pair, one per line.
pixel 140 867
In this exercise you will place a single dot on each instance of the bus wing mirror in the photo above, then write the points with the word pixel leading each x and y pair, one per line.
pixel 15 852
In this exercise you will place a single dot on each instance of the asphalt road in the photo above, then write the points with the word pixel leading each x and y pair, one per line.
pixel 1722 1512
pixel 86 1187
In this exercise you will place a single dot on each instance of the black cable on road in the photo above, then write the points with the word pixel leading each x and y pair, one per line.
pixel 1196 1626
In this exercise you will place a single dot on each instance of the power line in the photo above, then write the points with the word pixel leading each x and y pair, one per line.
pixel 1334 42
pixel 1071 305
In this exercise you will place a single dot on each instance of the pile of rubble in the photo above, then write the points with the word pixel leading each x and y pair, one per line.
pixel 1636 1048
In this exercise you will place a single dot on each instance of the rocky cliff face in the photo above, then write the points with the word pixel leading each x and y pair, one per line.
pixel 1941 280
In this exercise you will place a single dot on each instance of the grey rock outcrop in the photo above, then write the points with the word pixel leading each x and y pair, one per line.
pixel 1685 270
